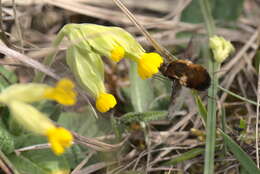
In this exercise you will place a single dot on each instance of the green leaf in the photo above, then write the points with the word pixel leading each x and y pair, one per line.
pixel 227 10
pixel 242 123
pixel 201 107
pixel 51 109
pixel 87 68
pixel 244 159
pixel 117 128
pixel 185 156
pixel 143 116
pixel 162 88
pixel 38 161
pixel 222 10
pixel 141 90
pixel 25 166
pixel 243 171
pixel 85 123
pixel 6 78
pixel 192 13
pixel 224 128
pixel 14 127
pixel 257 61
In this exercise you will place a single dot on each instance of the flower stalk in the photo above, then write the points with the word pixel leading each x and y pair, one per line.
pixel 212 92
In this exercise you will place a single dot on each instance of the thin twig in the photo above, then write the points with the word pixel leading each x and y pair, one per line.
pixel 6 165
pixel 83 162
pixel 18 26
pixel 3 36
pixel 33 147
pixel 27 60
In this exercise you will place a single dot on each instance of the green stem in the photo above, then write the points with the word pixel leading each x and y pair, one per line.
pixel 212 92
pixel 209 21
pixel 211 121
pixel 237 96
pixel 48 60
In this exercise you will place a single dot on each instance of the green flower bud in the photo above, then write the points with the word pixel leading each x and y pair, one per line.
pixel 221 48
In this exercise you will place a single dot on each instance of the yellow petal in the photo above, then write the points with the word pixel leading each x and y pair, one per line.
pixel 59 139
pixel 105 102
pixel 63 93
pixel 117 53
pixel 149 64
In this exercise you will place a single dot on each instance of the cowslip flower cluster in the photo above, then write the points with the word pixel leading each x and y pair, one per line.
pixel 18 98
pixel 88 69
pixel 221 48
pixel 89 42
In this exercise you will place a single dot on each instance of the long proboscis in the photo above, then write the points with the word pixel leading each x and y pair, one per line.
pixel 163 51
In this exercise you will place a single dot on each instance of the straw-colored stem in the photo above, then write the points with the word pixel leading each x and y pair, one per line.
pixel 257 107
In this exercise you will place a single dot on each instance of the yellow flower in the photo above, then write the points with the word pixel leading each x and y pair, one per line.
pixel 59 139
pixel 149 64
pixel 117 53
pixel 63 93
pixel 104 102
pixel 33 92
pixel 17 97
pixel 33 120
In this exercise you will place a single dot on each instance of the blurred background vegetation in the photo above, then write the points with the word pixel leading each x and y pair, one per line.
pixel 162 126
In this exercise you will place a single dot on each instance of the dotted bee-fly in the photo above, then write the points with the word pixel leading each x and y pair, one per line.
pixel 188 74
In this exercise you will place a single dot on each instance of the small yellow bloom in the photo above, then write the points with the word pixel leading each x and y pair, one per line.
pixel 59 138
pixel 117 53
pixel 35 121
pixel 104 102
pixel 221 48
pixel 149 64
pixel 63 93
pixel 33 92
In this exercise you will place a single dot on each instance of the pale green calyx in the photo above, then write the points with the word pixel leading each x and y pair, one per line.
pixel 112 42
pixel 28 93
pixel 85 63
pixel 29 117
pixel 88 69
pixel 221 48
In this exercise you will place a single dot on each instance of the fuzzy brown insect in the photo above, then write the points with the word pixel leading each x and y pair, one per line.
pixel 188 74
